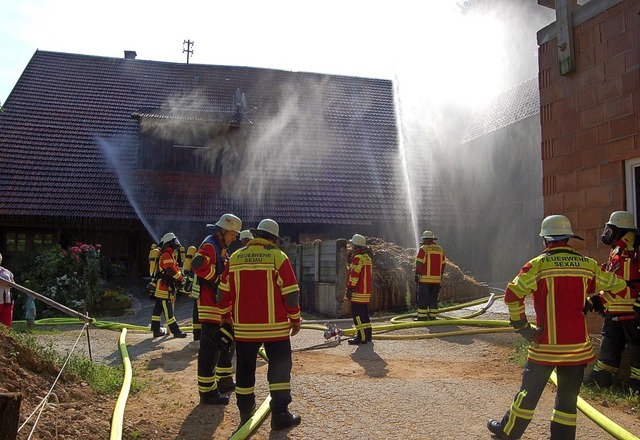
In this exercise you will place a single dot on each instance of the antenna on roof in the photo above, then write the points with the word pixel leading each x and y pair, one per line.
pixel 188 50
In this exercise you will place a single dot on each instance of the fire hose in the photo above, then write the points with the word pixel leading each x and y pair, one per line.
pixel 333 335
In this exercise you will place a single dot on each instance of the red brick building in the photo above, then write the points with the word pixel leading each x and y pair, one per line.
pixel 589 81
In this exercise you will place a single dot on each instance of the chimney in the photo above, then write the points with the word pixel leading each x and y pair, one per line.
pixel 130 54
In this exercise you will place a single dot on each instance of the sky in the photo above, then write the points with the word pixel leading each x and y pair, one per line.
pixel 429 47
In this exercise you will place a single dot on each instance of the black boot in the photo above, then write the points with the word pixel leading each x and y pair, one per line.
pixel 180 335
pixel 355 341
pixel 495 428
pixel 226 385
pixel 159 332
pixel 284 420
pixel 214 399
pixel 246 415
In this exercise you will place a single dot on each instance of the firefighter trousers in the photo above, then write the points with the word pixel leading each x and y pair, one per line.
pixel 534 381
pixel 214 365
pixel 278 374
pixel 360 315
pixel 164 306
pixel 616 335
pixel 197 326
pixel 427 300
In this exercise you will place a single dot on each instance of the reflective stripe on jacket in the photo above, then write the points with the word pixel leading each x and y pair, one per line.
pixel 359 278
pixel 430 263
pixel 169 273
pixel 559 280
pixel 623 261
pixel 261 288
pixel 210 308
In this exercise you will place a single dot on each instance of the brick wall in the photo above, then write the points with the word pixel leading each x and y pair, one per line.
pixel 590 121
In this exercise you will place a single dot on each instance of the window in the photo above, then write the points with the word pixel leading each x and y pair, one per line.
pixel 42 239
pixel 16 242
pixel 632 176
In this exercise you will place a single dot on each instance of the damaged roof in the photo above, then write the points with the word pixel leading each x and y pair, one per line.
pixel 308 148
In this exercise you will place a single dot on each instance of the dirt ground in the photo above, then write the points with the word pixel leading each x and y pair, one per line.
pixel 440 388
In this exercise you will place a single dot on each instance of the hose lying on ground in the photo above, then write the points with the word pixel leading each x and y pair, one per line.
pixel 397 323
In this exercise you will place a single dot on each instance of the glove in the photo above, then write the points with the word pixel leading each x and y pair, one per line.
pixel 417 278
pixel 526 330
pixel 224 336
pixel 349 293
pixel 593 304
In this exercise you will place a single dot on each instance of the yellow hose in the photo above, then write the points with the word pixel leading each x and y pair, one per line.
pixel 118 412
pixel 600 419
pixel 258 417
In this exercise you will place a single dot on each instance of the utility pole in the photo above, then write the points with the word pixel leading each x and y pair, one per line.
pixel 188 49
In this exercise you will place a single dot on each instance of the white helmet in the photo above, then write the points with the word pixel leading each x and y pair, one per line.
pixel 557 227
pixel 269 226
pixel 246 235
pixel 359 240
pixel 168 238
pixel 622 220
pixel 428 235
pixel 229 222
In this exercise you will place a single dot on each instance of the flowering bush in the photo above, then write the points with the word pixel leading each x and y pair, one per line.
pixel 69 276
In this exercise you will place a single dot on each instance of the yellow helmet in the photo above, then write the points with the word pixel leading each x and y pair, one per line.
pixel 428 235
pixel 622 220
pixel 557 227
pixel 359 240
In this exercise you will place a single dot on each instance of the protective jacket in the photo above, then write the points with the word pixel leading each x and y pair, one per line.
pixel 170 274
pixel 210 308
pixel 623 261
pixel 261 289
pixel 560 280
pixel 430 263
pixel 359 276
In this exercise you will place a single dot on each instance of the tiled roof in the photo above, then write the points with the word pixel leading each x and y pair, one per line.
pixel 511 106
pixel 320 149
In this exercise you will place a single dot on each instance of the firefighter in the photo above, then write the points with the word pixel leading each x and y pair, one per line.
pixel 243 239
pixel 430 263
pixel 359 287
pixel 262 292
pixel 169 283
pixel 215 369
pixel 559 280
pixel 619 328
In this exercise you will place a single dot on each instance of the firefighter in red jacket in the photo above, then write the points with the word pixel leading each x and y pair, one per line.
pixel 215 369
pixel 359 287
pixel 619 328
pixel 430 263
pixel 560 280
pixel 262 291
pixel 167 287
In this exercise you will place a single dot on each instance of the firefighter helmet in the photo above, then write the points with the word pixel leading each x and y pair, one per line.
pixel 359 240
pixel 269 226
pixel 622 220
pixel 168 238
pixel 245 235
pixel 229 222
pixel 556 228
pixel 428 235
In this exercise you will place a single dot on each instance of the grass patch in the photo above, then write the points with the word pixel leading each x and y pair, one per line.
pixel 616 395
pixel 103 379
